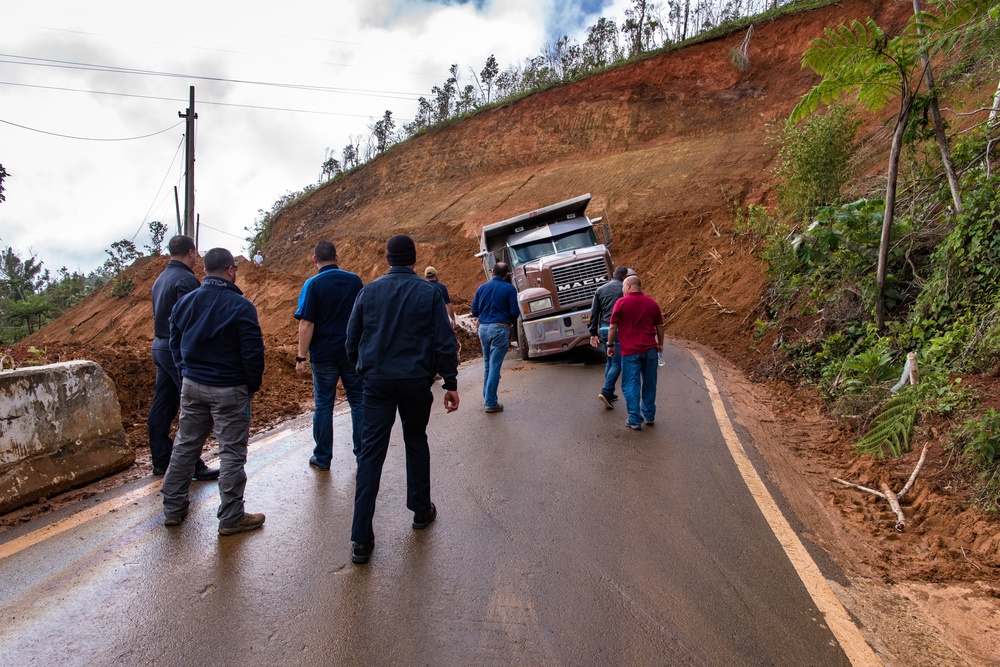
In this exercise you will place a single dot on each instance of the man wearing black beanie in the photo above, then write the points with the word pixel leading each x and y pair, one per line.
pixel 399 337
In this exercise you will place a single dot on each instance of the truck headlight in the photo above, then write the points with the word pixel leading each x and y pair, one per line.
pixel 540 304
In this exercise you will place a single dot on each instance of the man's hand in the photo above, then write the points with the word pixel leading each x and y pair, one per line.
pixel 451 400
pixel 595 341
pixel 611 349
pixel 300 367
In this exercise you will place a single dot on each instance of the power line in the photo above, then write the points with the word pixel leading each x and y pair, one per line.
pixel 68 136
pixel 177 99
pixel 114 69
pixel 173 160
pixel 216 229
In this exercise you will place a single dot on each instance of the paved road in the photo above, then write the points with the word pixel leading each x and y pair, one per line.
pixel 563 538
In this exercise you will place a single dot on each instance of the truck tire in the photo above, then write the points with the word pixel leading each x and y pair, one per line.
pixel 522 340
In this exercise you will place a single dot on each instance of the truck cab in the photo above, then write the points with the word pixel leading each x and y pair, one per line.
pixel 558 258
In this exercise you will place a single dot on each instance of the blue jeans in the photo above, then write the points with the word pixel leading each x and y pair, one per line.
pixel 495 339
pixel 325 375
pixel 639 385
pixel 383 398
pixel 612 365
pixel 204 408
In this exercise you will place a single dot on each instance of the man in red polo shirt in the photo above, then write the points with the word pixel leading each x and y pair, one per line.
pixel 637 329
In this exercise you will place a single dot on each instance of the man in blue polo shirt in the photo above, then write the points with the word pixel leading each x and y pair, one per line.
pixel 495 304
pixel 325 305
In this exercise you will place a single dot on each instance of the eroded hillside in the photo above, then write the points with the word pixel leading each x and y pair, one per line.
pixel 665 146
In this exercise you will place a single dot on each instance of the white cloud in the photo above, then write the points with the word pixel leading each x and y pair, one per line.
pixel 69 199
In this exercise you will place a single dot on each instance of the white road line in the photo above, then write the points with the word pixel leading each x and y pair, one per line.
pixel 851 640
pixel 70 522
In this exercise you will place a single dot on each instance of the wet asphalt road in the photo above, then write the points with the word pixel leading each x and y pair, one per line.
pixel 563 538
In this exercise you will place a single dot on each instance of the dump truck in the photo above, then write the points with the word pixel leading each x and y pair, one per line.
pixel 557 262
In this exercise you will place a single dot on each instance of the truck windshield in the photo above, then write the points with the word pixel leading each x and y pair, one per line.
pixel 581 238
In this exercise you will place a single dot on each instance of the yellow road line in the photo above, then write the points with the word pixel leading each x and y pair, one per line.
pixel 70 522
pixel 851 640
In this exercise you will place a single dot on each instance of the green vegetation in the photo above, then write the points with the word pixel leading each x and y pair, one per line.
pixel 915 267
pixel 30 296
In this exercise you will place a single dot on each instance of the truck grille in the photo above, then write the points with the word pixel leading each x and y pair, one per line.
pixel 576 283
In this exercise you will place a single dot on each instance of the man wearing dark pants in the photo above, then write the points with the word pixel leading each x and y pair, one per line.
pixel 325 305
pixel 399 336
pixel 176 280
pixel 216 343
pixel 600 322
pixel 495 305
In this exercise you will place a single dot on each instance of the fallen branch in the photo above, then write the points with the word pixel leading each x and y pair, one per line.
pixel 894 504
pixel 913 476
pixel 722 309
pixel 887 493
pixel 858 486
pixel 715 254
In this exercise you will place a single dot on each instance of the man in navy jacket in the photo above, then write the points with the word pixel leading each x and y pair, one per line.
pixel 399 336
pixel 216 343
pixel 176 280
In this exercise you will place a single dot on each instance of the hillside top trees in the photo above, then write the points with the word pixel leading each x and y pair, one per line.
pixel 647 26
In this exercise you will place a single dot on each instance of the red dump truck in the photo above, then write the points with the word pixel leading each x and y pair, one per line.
pixel 557 262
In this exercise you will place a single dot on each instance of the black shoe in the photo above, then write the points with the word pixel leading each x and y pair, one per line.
pixel 174 520
pixel 362 551
pixel 614 397
pixel 159 472
pixel 316 464
pixel 423 519
pixel 607 401
pixel 206 474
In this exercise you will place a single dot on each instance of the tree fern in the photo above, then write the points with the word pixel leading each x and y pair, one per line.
pixel 892 428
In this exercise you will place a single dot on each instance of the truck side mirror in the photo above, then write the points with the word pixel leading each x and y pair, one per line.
pixel 606 233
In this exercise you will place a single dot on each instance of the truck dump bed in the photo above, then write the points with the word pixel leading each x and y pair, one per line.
pixel 495 236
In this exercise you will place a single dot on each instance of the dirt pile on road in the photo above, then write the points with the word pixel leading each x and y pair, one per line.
pixel 666 146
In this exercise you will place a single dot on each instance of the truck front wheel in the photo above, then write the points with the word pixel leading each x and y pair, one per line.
pixel 522 340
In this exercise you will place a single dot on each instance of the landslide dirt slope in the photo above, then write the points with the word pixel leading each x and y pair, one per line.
pixel 664 145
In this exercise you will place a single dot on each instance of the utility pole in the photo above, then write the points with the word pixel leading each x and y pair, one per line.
pixel 177 205
pixel 191 116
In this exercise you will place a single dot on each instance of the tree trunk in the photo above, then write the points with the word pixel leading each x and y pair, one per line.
pixel 684 32
pixel 890 205
pixel 939 133
pixel 996 102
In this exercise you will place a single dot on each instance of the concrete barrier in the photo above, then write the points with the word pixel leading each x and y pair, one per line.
pixel 60 427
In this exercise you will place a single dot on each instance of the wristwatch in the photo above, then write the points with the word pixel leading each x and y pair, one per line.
pixel 298 359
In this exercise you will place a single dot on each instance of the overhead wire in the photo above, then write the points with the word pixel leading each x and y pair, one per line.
pixel 70 64
pixel 68 136
pixel 156 203
pixel 175 99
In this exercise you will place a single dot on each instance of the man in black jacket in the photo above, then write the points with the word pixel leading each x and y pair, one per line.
pixel 399 336
pixel 600 319
pixel 216 342
pixel 176 280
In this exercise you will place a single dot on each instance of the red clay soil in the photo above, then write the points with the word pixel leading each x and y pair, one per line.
pixel 664 145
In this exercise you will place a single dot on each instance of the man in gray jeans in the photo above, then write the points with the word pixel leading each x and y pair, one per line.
pixel 216 343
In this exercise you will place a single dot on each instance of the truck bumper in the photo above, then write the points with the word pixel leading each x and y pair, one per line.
pixel 559 333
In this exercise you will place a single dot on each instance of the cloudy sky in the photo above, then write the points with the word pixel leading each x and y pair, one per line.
pixel 276 84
